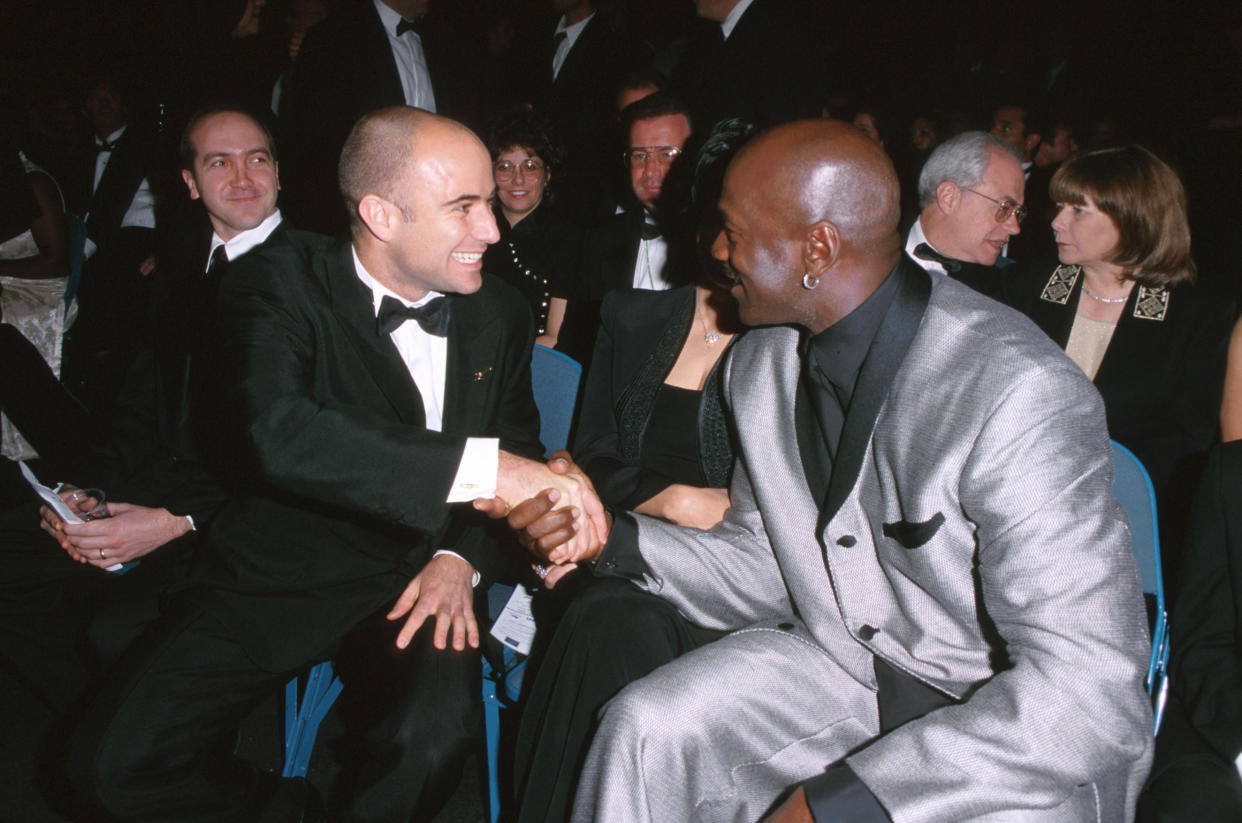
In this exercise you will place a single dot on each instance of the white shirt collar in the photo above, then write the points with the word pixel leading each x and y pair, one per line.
pixel 572 31
pixel 389 17
pixel 913 239
pixel 730 21
pixel 244 241
pixel 112 138
pixel 379 291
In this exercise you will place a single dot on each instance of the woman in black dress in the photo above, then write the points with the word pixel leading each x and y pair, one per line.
pixel 653 438
pixel 537 250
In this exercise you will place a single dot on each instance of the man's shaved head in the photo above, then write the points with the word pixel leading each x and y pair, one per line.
pixel 816 197
pixel 820 170
pixel 381 149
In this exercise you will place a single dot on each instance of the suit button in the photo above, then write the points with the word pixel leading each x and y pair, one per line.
pixel 610 564
pixel 846 540
pixel 784 626
pixel 867 632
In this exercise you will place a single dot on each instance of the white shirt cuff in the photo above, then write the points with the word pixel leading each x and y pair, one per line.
pixel 476 474
pixel 190 520
pixel 475 577
pixel 1237 764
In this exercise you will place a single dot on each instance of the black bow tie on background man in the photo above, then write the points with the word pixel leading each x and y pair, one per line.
pixel 408 24
pixel 926 252
pixel 433 316
pixel 649 231
pixel 104 145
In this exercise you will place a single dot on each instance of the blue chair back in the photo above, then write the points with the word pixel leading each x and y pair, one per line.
pixel 77 249
pixel 1133 489
pixel 554 380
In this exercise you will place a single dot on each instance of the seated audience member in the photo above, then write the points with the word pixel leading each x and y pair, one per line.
pixel 538 249
pixel 1195 777
pixel 1013 123
pixel 970 191
pixel 630 249
pixel 149 458
pixel 873 121
pixel 928 583
pixel 361 400
pixel 1231 404
pixel 34 270
pixel 1123 305
pixel 652 438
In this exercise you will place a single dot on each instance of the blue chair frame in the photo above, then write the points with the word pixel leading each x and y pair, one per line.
pixel 302 718
pixel 555 378
pixel 1132 487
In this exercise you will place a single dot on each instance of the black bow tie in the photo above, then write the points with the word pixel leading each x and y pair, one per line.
pixel 926 252
pixel 649 231
pixel 104 145
pixel 432 316
pixel 408 24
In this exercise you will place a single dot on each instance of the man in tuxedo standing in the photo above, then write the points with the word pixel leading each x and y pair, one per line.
pixel 148 457
pixel 575 78
pixel 761 60
pixel 363 386
pixel 629 249
pixel 368 55
pixel 934 608
pixel 971 188
pixel 112 192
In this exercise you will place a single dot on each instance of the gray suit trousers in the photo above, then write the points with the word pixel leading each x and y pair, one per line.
pixel 720 733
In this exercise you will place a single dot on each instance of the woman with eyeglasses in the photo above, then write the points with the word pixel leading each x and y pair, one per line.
pixel 1124 305
pixel 538 249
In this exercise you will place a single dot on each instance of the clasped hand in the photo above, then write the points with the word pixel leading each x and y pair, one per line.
pixel 554 509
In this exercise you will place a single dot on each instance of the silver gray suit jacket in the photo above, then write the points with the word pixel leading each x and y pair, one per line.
pixel 976 493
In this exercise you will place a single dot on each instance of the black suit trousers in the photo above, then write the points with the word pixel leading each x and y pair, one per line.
pixel 150 745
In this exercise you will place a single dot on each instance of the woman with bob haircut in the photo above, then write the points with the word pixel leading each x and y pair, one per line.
pixel 1123 304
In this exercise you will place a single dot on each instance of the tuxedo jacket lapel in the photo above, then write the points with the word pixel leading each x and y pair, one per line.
pixel 351 300
pixel 879 368
pixel 470 372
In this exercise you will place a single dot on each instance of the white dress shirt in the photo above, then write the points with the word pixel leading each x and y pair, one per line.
pixel 571 36
pixel 735 14
pixel 913 239
pixel 244 241
pixel 407 51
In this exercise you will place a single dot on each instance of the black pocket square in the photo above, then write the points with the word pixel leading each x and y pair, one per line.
pixel 912 535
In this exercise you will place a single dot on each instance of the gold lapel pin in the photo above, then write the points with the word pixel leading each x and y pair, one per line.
pixel 479 375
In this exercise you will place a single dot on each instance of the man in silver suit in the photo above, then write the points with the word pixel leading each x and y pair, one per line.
pixel 935 612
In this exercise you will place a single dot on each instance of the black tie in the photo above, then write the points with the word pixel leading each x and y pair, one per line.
pixel 926 252
pixel 408 24
pixel 649 231
pixel 432 316
pixel 219 259
pixel 103 145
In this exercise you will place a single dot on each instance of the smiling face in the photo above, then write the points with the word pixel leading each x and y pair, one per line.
pixel 647 178
pixel 233 173
pixel 762 260
pixel 971 232
pixel 1085 235
pixel 443 221
pixel 521 177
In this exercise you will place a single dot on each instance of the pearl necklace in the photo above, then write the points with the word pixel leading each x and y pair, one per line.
pixel 1094 296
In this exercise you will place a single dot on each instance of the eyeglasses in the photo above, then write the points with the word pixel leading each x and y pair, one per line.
pixel 638 156
pixel 504 170
pixel 1004 208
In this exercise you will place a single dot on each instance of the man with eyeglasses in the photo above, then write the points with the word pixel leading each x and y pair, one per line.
pixel 629 249
pixel 971 190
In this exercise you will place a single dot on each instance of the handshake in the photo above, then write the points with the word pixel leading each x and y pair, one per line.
pixel 554 509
